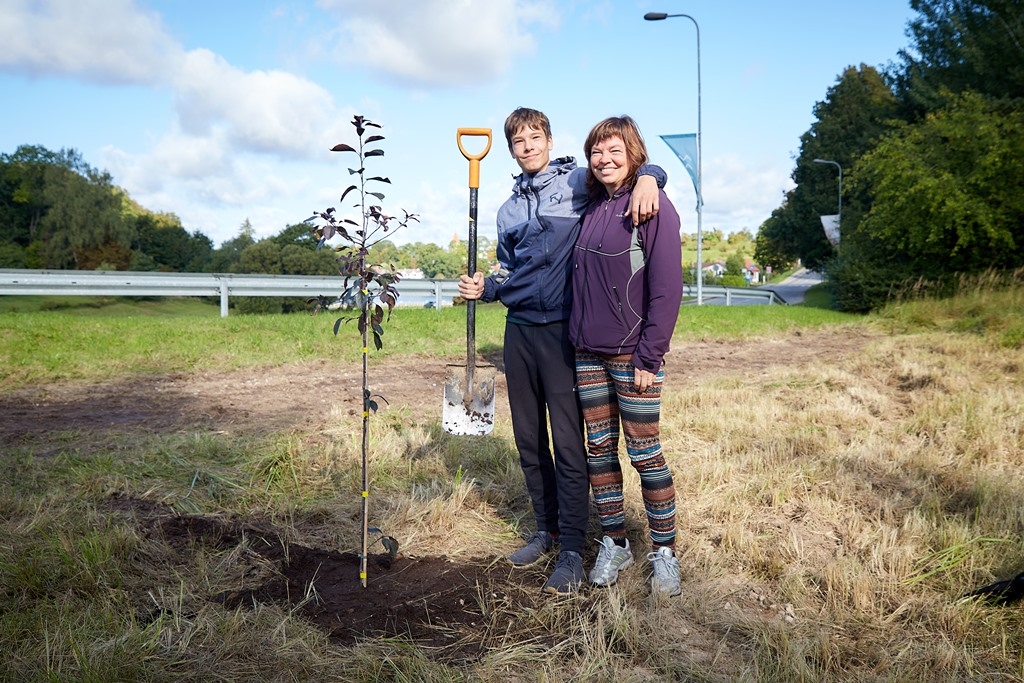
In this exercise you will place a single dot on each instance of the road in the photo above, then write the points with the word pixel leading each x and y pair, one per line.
pixel 793 288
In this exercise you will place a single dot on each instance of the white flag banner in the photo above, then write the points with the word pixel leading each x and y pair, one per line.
pixel 831 225
pixel 685 147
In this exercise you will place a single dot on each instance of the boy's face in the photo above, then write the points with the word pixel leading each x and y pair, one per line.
pixel 531 149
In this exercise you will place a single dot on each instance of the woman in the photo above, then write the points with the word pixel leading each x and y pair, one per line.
pixel 627 289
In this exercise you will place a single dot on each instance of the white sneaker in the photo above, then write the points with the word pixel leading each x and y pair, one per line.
pixel 665 579
pixel 610 560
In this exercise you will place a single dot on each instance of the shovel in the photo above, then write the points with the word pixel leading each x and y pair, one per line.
pixel 469 390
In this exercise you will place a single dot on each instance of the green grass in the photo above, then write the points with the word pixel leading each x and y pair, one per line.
pixel 990 305
pixel 861 495
pixel 86 344
pixel 111 306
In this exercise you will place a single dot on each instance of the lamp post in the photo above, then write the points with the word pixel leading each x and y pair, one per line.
pixel 659 16
pixel 839 216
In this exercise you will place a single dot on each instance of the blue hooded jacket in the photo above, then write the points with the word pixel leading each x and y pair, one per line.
pixel 537 230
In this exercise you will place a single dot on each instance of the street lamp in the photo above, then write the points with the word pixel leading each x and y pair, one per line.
pixel 839 216
pixel 659 16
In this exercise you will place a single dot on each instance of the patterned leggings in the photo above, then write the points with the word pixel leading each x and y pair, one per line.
pixel 608 395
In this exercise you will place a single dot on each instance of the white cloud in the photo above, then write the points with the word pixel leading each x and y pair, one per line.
pixel 107 41
pixel 263 111
pixel 737 195
pixel 437 42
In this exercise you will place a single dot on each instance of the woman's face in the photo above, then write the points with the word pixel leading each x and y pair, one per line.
pixel 609 163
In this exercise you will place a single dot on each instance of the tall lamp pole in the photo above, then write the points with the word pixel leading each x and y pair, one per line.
pixel 659 16
pixel 839 216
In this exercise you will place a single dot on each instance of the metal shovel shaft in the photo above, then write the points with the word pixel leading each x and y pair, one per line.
pixel 469 408
pixel 474 185
pixel 471 304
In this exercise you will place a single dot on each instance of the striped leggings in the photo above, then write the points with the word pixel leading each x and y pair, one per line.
pixel 609 397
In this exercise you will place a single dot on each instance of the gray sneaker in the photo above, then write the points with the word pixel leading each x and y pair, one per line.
pixel 537 546
pixel 611 558
pixel 665 579
pixel 568 574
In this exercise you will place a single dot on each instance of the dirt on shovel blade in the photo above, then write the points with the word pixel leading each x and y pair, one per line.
pixel 468 410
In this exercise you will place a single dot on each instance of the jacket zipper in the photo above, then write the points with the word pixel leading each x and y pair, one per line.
pixel 618 304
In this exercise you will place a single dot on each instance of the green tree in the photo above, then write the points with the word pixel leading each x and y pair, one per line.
pixel 436 262
pixel 768 252
pixel 225 259
pixel 83 224
pixel 262 257
pixel 64 213
pixel 388 254
pixel 735 265
pixel 13 255
pixel 297 235
pixel 740 238
pixel 946 194
pixel 856 112
pixel 22 181
pixel 960 45
pixel 297 260
pixel 713 237
pixel 170 247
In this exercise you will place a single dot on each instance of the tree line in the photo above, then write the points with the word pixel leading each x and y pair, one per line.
pixel 932 154
pixel 57 212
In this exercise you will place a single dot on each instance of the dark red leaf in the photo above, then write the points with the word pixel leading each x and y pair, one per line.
pixel 347 190
pixel 374 153
pixel 342 147
pixel 373 138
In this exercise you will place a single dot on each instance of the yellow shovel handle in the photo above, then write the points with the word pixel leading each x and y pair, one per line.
pixel 474 159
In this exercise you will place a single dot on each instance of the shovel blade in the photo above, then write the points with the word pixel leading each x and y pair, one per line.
pixel 467 409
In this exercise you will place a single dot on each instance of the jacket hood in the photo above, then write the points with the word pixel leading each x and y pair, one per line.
pixel 526 182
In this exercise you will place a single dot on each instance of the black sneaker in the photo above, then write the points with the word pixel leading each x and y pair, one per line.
pixel 568 575
pixel 537 546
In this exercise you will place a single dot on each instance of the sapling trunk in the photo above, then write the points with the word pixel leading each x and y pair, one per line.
pixel 376 287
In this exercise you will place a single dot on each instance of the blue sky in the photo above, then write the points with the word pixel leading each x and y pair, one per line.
pixel 224 111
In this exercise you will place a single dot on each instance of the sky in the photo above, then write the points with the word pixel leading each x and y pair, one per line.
pixel 222 112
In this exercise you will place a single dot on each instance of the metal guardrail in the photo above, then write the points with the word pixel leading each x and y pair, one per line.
pixel 224 285
pixel 733 295
pixel 14 281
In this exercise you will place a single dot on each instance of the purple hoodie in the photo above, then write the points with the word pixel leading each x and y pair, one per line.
pixel 622 305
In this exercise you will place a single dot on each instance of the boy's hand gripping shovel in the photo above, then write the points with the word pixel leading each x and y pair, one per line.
pixel 469 390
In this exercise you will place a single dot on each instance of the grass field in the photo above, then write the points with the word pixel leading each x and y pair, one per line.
pixel 842 482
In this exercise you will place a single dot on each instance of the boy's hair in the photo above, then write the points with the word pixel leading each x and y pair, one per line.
pixel 531 118
pixel 636 150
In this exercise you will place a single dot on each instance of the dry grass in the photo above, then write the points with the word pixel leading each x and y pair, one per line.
pixel 831 516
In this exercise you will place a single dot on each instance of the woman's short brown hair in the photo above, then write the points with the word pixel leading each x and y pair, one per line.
pixel 636 150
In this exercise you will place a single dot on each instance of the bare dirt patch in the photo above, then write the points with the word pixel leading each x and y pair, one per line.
pixel 263 399
pixel 449 606
pixel 459 607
